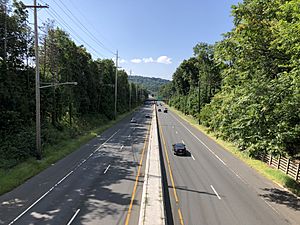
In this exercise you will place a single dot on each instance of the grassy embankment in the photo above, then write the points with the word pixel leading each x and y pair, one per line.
pixel 271 173
pixel 9 179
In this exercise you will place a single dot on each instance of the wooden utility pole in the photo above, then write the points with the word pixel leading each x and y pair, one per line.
pixel 116 87
pixel 136 94
pixel 5 29
pixel 199 101
pixel 130 94
pixel 37 82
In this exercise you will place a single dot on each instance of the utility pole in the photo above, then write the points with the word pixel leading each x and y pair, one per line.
pixel 37 82
pixel 130 94
pixel 199 101
pixel 116 86
pixel 136 93
pixel 5 29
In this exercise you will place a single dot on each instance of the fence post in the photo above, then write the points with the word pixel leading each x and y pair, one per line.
pixel 287 166
pixel 297 173
pixel 263 157
pixel 270 161
pixel 278 164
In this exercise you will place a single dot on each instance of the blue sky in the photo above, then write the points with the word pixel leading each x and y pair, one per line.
pixel 152 36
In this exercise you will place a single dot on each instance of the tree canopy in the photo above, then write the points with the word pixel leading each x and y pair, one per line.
pixel 248 82
pixel 65 109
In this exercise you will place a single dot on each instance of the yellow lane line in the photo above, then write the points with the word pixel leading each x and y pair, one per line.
pixel 171 177
pixel 136 179
pixel 169 166
pixel 180 217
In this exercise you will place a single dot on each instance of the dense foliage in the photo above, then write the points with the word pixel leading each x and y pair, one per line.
pixel 152 84
pixel 250 81
pixel 66 110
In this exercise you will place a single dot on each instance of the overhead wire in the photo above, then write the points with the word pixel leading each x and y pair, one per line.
pixel 80 26
pixel 73 33
pixel 84 27
pixel 91 24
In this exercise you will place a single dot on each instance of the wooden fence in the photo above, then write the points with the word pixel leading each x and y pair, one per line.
pixel 286 165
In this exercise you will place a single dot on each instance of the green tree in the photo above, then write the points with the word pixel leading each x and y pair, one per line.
pixel 254 108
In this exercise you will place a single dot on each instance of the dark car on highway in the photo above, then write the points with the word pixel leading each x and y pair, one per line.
pixel 133 120
pixel 179 149
pixel 165 110
pixel 159 110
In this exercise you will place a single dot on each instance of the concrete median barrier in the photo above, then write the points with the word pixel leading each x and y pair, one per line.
pixel 152 209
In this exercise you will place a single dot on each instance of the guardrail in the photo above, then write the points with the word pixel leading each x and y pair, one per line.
pixel 286 165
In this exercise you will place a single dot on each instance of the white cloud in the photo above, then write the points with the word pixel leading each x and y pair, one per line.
pixel 123 61
pixel 161 59
pixel 148 60
pixel 136 60
pixel 164 59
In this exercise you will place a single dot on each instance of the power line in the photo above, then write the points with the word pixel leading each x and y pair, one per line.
pixel 55 15
pixel 80 26
pixel 90 34
pixel 88 22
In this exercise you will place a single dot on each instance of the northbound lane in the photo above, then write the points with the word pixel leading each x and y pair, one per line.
pixel 210 186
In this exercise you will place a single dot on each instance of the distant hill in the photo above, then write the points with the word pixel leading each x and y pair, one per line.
pixel 151 83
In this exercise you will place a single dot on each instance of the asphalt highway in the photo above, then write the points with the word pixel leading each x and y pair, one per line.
pixel 210 186
pixel 93 185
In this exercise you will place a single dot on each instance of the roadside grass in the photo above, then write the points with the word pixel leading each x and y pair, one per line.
pixel 12 178
pixel 269 172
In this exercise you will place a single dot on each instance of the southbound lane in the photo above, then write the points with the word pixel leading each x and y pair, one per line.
pixel 93 185
pixel 209 185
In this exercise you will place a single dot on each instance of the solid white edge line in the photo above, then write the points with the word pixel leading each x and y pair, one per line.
pixel 193 157
pixel 182 142
pixel 33 204
pixel 271 206
pixel 200 140
pixel 106 141
pixel 73 217
pixel 64 178
pixel 211 151
pixel 215 192
pixel 61 180
pixel 106 169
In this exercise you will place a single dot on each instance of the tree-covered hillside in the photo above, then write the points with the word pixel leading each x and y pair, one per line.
pixel 246 88
pixel 150 83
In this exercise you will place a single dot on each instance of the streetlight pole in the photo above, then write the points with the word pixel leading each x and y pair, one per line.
pixel 116 87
